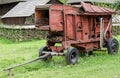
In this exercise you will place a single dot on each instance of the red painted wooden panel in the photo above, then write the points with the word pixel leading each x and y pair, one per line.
pixel 56 20
pixel 70 26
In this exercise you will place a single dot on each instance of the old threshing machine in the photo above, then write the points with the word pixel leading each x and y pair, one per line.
pixel 80 28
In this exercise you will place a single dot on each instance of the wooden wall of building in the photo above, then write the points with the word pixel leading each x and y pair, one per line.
pixel 14 21
pixel 18 21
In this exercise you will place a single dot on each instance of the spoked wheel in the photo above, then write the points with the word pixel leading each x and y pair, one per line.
pixel 113 46
pixel 72 56
pixel 45 48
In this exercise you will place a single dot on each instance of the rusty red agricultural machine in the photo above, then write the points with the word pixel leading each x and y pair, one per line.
pixel 78 28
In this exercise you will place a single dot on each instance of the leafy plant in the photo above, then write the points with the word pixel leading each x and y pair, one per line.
pixel 22 34
pixel 116 5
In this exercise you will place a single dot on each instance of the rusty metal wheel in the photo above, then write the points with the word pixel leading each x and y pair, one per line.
pixel 72 56
pixel 45 48
pixel 112 46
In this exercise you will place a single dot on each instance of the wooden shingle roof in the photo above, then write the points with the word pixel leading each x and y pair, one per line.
pixel 11 1
pixel 100 1
pixel 116 20
pixel 24 9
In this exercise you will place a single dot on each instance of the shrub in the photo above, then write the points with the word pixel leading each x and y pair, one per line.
pixel 22 34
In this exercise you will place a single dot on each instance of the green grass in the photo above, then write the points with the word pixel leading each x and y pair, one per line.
pixel 64 1
pixel 99 65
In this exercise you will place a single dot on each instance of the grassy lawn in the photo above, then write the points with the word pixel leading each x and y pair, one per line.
pixel 99 65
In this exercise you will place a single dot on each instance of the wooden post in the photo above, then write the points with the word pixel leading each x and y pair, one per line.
pixel 101 32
